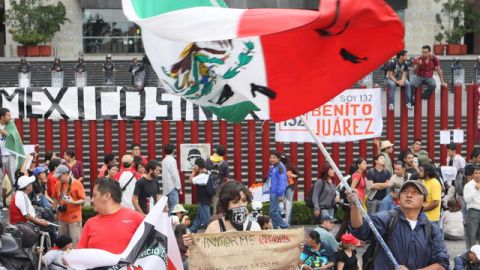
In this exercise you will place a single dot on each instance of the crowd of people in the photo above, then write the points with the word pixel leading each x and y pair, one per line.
pixel 413 203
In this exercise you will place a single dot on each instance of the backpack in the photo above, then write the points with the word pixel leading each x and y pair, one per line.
pixel 309 198
pixel 214 181
pixel 369 256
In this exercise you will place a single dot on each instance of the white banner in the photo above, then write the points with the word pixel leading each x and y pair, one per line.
pixel 353 115
pixel 102 103
pixel 191 152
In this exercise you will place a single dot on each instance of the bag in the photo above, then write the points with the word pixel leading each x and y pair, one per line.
pixel 309 198
pixel 214 181
pixel 369 256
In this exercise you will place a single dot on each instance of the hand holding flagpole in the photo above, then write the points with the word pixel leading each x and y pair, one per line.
pixel 349 190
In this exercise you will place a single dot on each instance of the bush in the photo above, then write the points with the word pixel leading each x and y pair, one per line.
pixel 87 213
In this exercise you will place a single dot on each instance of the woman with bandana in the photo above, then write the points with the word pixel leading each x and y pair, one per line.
pixel 233 198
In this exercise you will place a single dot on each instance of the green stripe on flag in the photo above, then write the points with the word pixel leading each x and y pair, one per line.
pixel 150 8
pixel 234 113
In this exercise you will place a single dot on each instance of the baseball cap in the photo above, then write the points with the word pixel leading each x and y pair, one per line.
pixel 349 239
pixel 40 169
pixel 476 250
pixel 127 159
pixel 327 218
pixel 419 185
pixel 61 170
pixel 24 181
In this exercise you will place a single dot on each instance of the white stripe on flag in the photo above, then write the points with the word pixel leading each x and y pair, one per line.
pixel 210 23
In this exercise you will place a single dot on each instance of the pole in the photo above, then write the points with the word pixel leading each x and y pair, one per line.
pixel 349 189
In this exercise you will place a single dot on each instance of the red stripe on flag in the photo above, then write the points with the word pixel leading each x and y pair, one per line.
pixel 170 264
pixel 315 55
pixel 290 18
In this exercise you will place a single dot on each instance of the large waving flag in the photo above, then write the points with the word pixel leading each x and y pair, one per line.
pixel 153 247
pixel 277 63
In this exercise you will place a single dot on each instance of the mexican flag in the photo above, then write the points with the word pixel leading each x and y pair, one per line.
pixel 274 63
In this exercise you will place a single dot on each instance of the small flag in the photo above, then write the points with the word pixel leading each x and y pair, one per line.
pixel 153 246
pixel 13 143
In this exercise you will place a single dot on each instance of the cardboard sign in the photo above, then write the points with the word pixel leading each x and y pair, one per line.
pixel 355 114
pixel 190 152
pixel 261 250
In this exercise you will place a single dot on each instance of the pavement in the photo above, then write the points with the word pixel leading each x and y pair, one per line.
pixel 454 247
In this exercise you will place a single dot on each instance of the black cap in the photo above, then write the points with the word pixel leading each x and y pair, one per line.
pixel 63 240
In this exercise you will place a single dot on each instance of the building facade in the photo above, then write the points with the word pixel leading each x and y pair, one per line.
pixel 99 27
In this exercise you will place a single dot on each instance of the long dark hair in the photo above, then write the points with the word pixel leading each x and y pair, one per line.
pixel 288 164
pixel 324 172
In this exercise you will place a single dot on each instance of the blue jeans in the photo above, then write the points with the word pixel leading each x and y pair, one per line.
pixel 173 199
pixel 201 219
pixel 392 87
pixel 288 203
pixel 274 213
pixel 44 201
pixel 430 82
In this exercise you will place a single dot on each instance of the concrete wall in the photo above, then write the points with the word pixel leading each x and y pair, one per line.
pixel 66 42
pixel 420 25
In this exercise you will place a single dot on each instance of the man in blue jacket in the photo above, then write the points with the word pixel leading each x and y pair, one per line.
pixel 277 177
pixel 414 242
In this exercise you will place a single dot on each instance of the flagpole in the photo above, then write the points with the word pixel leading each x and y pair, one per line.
pixel 349 189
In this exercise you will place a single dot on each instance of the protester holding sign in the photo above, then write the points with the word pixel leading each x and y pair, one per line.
pixel 233 198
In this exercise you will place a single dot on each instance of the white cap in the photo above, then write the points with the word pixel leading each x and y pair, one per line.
pixel 476 250
pixel 24 181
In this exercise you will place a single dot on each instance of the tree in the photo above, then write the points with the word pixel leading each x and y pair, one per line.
pixel 32 21
pixel 462 19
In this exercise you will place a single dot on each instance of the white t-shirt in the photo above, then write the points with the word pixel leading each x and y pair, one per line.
pixel 201 179
pixel 413 223
pixel 23 203
pixel 452 223
pixel 128 192
pixel 2 143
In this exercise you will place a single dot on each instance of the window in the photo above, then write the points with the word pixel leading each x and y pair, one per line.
pixel 109 31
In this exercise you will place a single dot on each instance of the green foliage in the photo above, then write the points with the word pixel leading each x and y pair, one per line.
pixel 32 21
pixel 461 17
pixel 87 213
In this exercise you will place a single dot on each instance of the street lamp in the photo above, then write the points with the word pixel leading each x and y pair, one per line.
pixel 458 72
pixel 477 71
